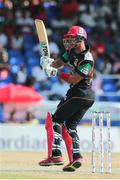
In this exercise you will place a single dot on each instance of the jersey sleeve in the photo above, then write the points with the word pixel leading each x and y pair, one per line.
pixel 65 57
pixel 85 68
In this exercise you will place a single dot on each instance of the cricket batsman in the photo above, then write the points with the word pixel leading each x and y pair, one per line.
pixel 79 98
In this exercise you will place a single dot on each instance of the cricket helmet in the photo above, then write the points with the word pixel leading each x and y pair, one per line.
pixel 75 35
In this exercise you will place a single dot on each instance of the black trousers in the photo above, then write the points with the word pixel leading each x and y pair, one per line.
pixel 70 111
pixel 73 106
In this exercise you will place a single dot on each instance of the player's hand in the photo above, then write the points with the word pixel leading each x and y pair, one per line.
pixel 45 61
pixel 50 71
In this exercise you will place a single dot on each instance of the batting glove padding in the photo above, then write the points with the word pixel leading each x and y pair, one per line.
pixel 45 61
pixel 50 71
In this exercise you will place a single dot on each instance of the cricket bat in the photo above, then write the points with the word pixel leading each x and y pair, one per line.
pixel 43 39
pixel 42 36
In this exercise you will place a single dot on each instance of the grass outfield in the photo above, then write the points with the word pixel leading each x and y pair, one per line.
pixel 24 165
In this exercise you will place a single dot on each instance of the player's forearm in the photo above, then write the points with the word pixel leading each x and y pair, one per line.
pixel 57 63
pixel 71 79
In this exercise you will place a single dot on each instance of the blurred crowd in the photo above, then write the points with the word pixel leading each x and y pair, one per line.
pixel 19 46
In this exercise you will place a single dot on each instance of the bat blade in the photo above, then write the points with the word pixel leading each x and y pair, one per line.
pixel 42 36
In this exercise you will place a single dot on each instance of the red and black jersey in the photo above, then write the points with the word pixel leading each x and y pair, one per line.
pixel 82 64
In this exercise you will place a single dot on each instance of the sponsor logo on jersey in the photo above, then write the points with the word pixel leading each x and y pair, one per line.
pixel 85 68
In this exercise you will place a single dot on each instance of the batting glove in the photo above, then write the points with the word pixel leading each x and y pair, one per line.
pixel 45 61
pixel 50 71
